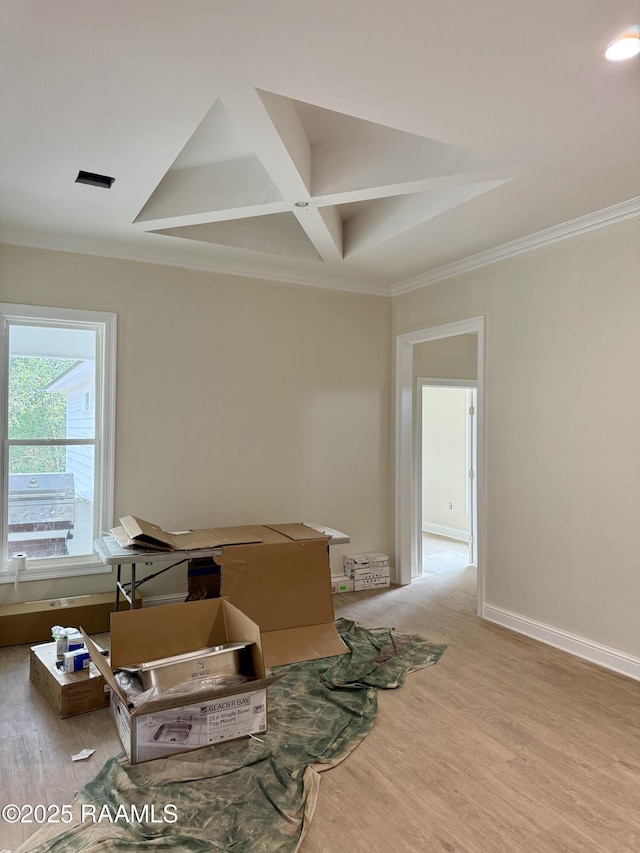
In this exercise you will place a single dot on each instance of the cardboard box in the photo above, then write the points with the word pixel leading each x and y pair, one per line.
pixel 136 532
pixel 355 561
pixel 360 584
pixel 175 730
pixel 170 725
pixel 357 564
pixel 68 693
pixel 283 583
pixel 381 571
pixel 279 575
pixel 371 572
pixel 32 621
pixel 377 558
pixel 341 583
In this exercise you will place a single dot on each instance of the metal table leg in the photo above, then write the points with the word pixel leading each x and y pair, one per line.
pixel 119 570
pixel 132 592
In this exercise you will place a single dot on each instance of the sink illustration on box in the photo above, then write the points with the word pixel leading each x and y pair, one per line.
pixel 176 732
pixel 166 733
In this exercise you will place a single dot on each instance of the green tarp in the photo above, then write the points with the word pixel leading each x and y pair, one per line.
pixel 251 795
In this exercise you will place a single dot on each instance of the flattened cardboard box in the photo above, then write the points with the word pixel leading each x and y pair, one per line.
pixel 68 693
pixel 31 621
pixel 136 532
pixel 174 724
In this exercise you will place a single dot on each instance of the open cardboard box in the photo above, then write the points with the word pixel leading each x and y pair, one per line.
pixel 283 583
pixel 279 575
pixel 172 724
pixel 68 693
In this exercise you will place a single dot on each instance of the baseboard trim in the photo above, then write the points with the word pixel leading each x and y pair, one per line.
pixel 580 647
pixel 449 532
pixel 157 600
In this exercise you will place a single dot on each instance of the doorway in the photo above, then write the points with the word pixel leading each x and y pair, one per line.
pixel 406 538
pixel 445 455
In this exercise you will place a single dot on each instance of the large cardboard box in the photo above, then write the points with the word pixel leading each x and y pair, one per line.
pixel 31 621
pixel 172 731
pixel 283 583
pixel 279 575
pixel 169 725
pixel 68 693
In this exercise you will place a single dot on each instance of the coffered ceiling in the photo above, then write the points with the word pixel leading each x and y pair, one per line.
pixel 354 144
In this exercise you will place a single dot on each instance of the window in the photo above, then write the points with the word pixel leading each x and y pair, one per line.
pixel 57 370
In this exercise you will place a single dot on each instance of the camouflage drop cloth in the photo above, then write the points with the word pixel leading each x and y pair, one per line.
pixel 247 796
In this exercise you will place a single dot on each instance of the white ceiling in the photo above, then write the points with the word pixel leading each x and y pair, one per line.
pixel 424 136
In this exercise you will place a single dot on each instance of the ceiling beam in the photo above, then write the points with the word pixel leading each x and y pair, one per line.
pixel 324 227
pixel 443 183
pixel 281 144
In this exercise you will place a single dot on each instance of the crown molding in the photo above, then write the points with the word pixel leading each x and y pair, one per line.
pixel 558 233
pixel 280 275
pixel 277 275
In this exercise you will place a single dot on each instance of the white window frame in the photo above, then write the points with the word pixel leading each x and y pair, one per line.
pixel 104 325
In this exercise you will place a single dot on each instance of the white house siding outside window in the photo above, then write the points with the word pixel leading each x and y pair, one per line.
pixel 57 370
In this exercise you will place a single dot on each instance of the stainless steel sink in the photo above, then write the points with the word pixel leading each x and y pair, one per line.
pixel 202 663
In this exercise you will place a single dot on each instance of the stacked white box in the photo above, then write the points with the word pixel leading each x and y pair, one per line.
pixel 354 561
pixel 369 570
pixel 367 559
pixel 341 583
pixel 379 572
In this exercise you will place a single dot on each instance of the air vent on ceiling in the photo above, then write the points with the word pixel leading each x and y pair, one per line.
pixel 94 180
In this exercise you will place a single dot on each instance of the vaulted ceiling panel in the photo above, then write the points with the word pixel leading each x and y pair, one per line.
pixel 279 234
pixel 386 218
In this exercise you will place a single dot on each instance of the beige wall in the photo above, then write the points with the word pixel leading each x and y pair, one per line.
pixel 238 401
pixel 444 459
pixel 562 428
pixel 447 358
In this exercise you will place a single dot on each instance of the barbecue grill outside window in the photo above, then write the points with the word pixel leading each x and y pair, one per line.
pixel 41 514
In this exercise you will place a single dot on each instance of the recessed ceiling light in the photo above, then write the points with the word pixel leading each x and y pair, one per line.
pixel 625 46
pixel 94 180
pixel 301 204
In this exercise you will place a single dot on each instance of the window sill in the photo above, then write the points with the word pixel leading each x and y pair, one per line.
pixel 54 572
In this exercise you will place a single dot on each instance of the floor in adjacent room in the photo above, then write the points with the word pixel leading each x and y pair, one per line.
pixel 504 746
pixel 440 554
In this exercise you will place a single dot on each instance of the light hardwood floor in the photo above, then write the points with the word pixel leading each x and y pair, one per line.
pixel 440 554
pixel 504 745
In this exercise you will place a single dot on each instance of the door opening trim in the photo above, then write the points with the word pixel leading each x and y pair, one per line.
pixel 405 514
